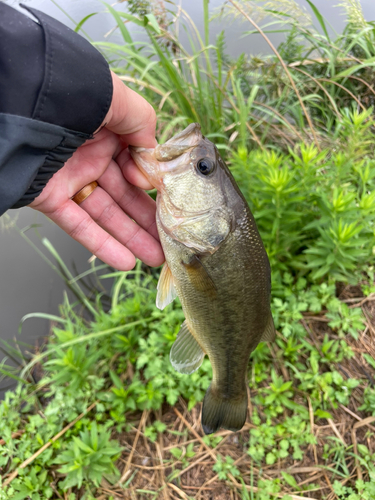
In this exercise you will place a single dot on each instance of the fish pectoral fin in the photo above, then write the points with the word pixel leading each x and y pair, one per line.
pixel 166 290
pixel 269 333
pixel 199 277
pixel 186 354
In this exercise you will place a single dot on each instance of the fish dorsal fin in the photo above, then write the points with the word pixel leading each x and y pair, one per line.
pixel 200 278
pixel 186 354
pixel 166 290
pixel 269 332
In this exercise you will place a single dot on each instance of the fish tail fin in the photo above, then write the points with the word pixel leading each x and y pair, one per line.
pixel 229 413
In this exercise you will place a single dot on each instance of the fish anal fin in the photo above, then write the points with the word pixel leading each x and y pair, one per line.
pixel 269 332
pixel 199 277
pixel 166 290
pixel 186 355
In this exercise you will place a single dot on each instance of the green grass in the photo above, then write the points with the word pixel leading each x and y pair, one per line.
pixel 296 94
pixel 118 365
pixel 315 209
pixel 308 174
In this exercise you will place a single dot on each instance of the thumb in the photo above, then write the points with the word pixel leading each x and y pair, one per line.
pixel 131 116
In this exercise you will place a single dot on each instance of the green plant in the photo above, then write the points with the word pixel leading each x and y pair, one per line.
pixel 334 451
pixel 361 491
pixel 224 467
pixel 120 399
pixel 368 401
pixel 273 442
pixel 212 440
pixel 254 98
pixel 74 366
pixel 183 454
pixel 335 351
pixel 278 396
pixel 310 225
pixel 88 457
pixel 35 485
pixel 152 431
pixel 367 458
pixel 345 320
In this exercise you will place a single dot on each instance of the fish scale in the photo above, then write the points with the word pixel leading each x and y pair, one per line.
pixel 216 264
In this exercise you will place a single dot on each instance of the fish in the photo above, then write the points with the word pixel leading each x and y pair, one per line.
pixel 216 264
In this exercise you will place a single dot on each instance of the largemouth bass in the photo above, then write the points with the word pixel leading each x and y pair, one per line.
pixel 216 264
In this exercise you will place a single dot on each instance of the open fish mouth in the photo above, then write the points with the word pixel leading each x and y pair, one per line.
pixel 145 161
pixel 166 157
pixel 179 144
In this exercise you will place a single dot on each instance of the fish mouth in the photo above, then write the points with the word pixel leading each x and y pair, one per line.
pixel 179 144
pixel 166 157
pixel 145 161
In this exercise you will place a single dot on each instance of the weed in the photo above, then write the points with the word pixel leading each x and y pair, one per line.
pixel 369 401
pixel 88 457
pixel 345 320
pixel 361 491
pixel 152 431
pixel 183 454
pixel 273 442
pixel 32 485
pixel 224 467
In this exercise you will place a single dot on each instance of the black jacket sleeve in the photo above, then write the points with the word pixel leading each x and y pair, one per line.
pixel 55 91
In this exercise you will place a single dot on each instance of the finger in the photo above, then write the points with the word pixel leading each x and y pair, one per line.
pixel 132 200
pixel 131 116
pixel 108 215
pixel 131 172
pixel 80 226
pixel 86 165
pixel 90 160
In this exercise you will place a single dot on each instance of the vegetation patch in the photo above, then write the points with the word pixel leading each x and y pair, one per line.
pixel 99 423
pixel 100 413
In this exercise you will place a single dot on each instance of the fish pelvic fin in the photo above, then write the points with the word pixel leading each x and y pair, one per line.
pixel 229 413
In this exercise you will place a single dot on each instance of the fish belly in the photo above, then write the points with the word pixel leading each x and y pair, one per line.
pixel 228 326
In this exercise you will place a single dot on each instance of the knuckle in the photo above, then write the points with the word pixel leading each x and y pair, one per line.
pixel 129 196
pixel 108 212
pixel 151 117
pixel 82 227
pixel 133 236
pixel 103 243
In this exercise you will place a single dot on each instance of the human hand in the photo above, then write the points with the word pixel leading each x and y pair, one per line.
pixel 103 221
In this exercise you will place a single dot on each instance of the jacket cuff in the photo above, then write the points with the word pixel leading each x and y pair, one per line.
pixel 30 153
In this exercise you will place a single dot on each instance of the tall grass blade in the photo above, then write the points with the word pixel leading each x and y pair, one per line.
pixel 206 22
pixel 306 113
pixel 51 317
pixel 82 339
pixel 11 375
pixel 123 29
pixel 68 277
pixel 320 18
pixel 117 288
pixel 82 22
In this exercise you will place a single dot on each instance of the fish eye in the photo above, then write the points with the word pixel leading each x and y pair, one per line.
pixel 205 166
